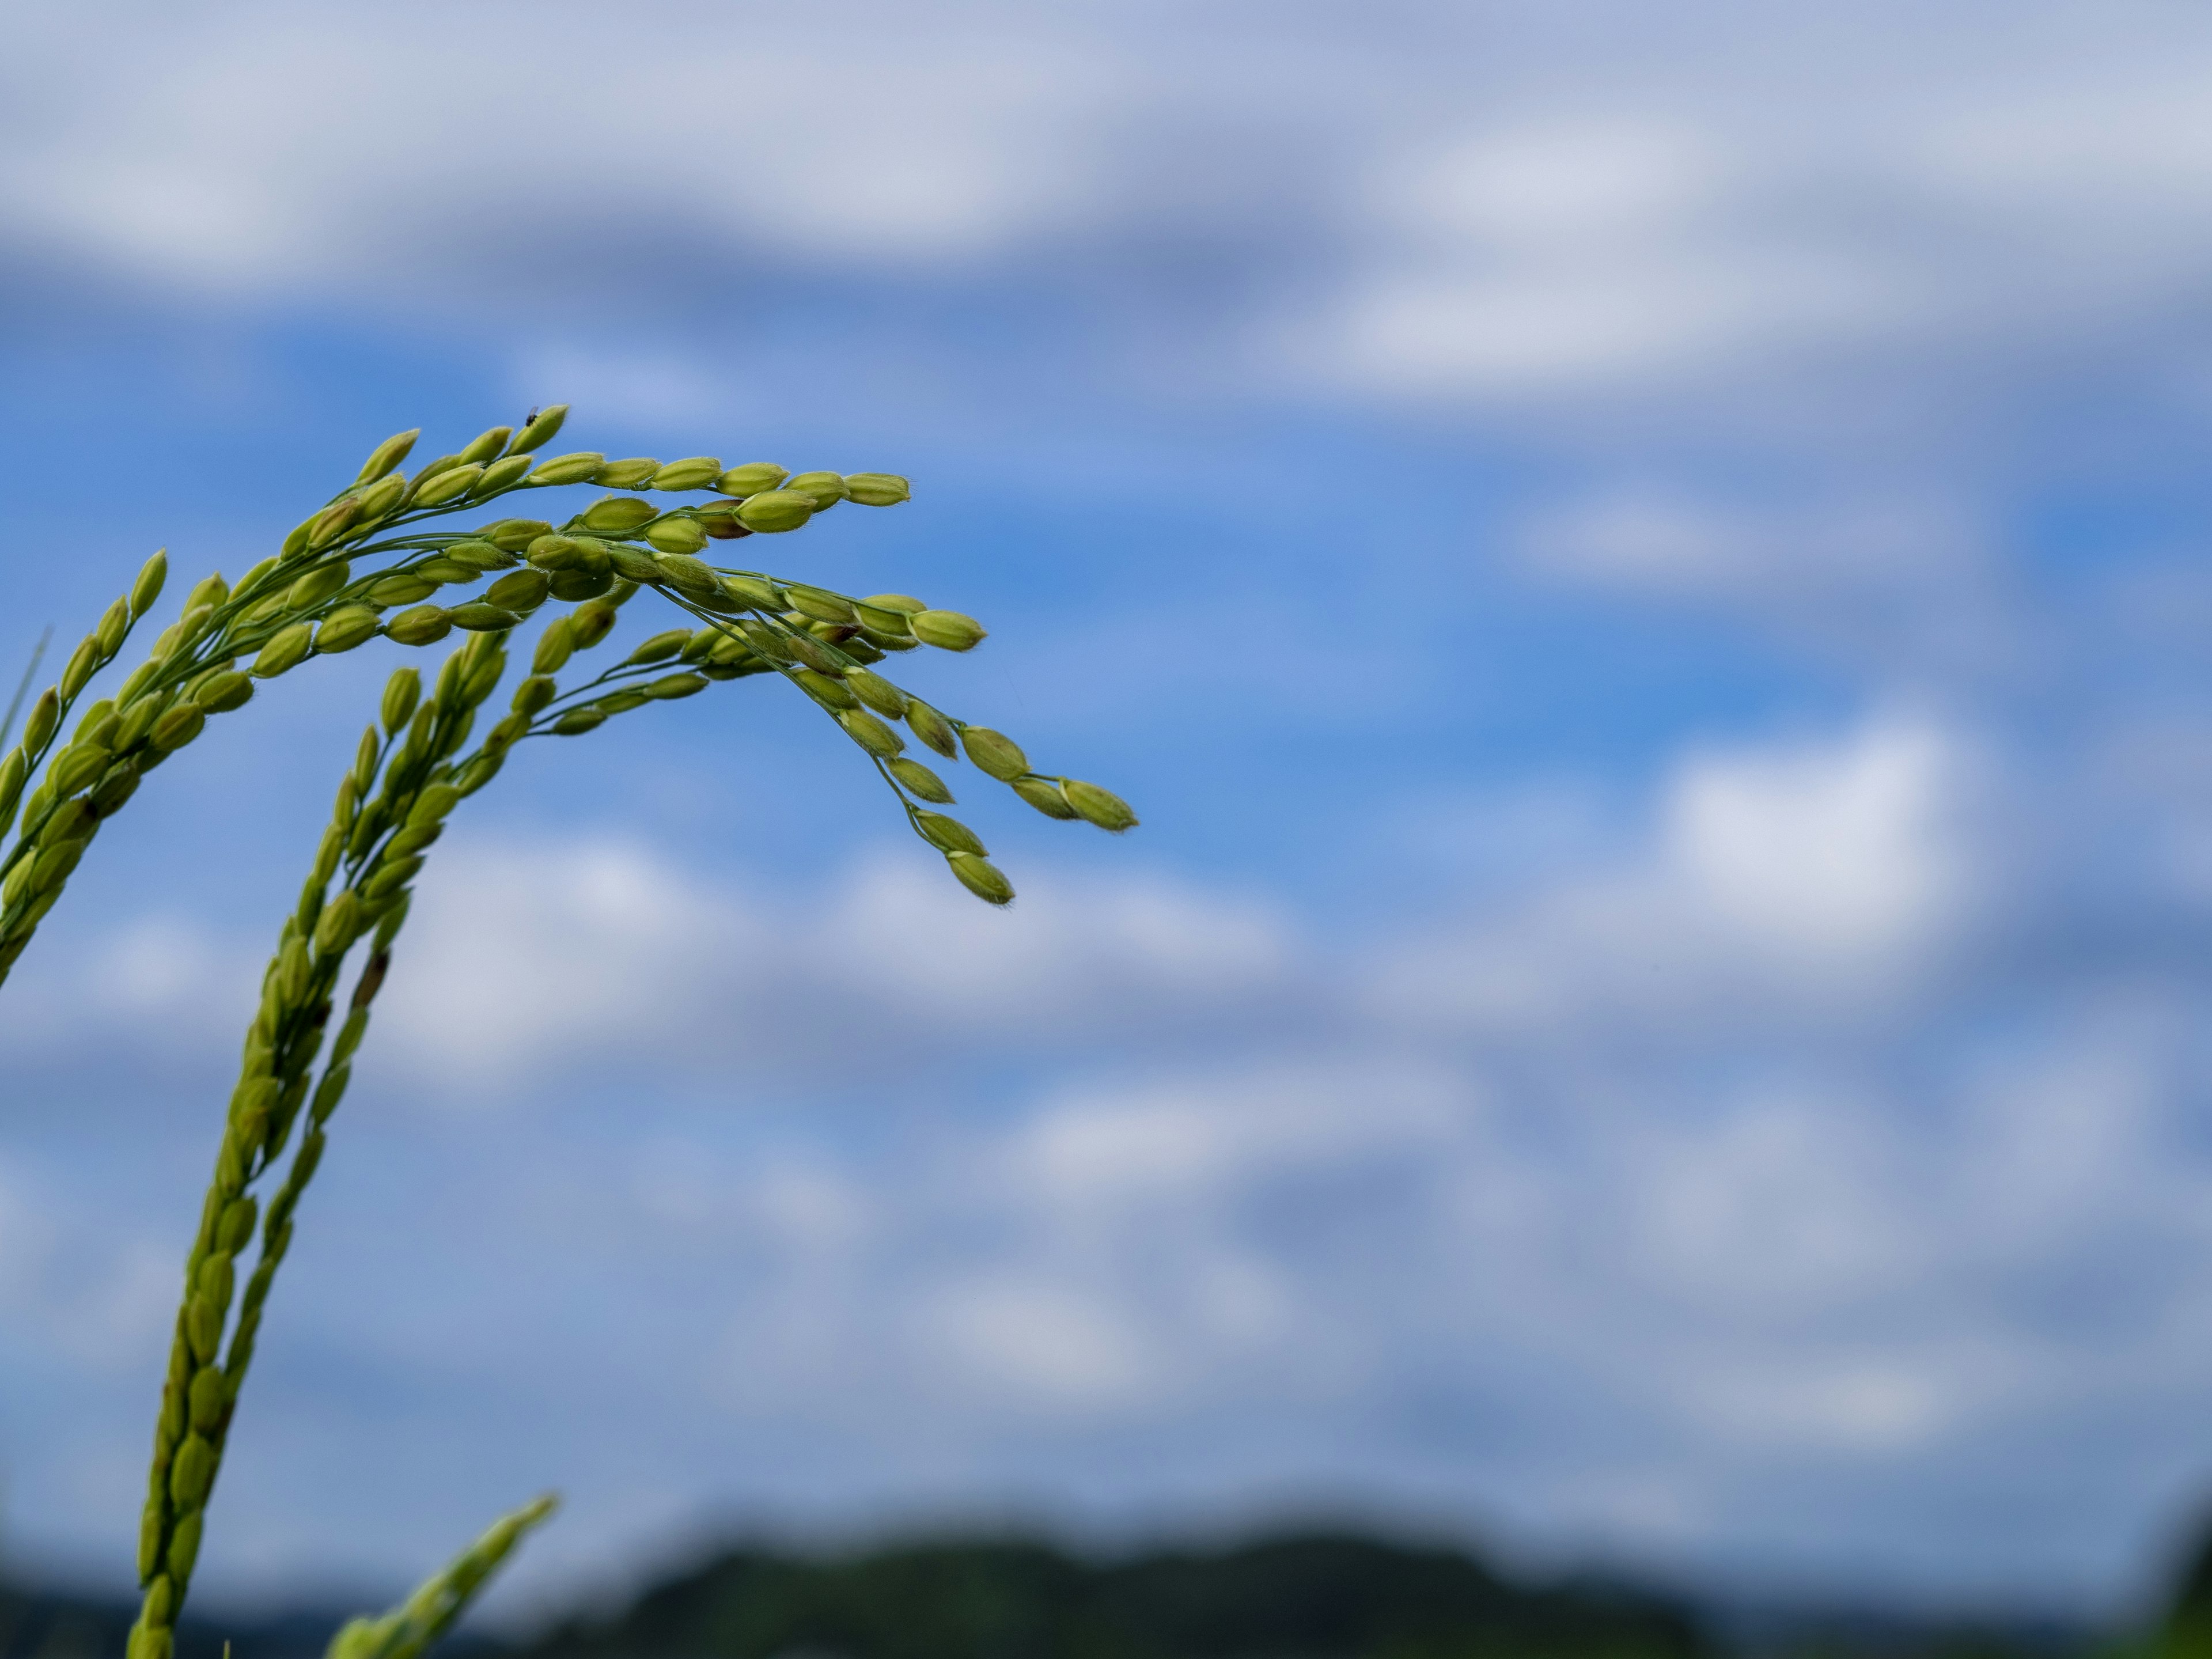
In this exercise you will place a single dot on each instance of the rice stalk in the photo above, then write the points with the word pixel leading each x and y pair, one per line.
pixel 411 770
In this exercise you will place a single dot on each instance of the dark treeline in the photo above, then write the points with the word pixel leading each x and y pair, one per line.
pixel 36 1625
pixel 1317 1596
pixel 1326 1597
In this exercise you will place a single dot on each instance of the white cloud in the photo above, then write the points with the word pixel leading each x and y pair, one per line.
pixel 163 964
pixel 162 979
pixel 71 1290
pixel 1848 1402
pixel 1195 1139
pixel 1845 204
pixel 1778 1207
pixel 1522 216
pixel 2096 146
pixel 529 956
pixel 641 386
pixel 258 149
pixel 1624 1201
pixel 1550 187
pixel 25 1237
pixel 1839 854
pixel 524 957
pixel 1818 877
pixel 1663 535
pixel 1079 951
pixel 1039 1335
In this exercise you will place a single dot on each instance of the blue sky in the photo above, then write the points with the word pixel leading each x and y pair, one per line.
pixel 1643 567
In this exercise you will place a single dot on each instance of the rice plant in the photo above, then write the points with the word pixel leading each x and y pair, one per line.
pixel 383 559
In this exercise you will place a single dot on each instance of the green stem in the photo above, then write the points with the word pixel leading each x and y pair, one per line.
pixel 201 1391
pixel 221 638
pixel 23 686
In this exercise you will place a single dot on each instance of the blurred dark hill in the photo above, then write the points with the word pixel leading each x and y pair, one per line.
pixel 53 1625
pixel 1313 1597
pixel 2187 1631
pixel 49 1624
pixel 1319 1596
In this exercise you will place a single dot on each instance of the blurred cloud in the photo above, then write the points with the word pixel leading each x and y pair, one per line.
pixel 531 959
pixel 1692 1153
pixel 1546 203
pixel 1814 877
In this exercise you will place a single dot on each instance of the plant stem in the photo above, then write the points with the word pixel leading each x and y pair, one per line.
pixel 200 1394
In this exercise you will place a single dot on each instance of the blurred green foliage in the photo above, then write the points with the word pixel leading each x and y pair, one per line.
pixel 1317 1596
pixel 1339 1597
pixel 2186 1631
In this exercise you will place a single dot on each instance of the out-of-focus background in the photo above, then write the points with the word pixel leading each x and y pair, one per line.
pixel 1644 566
